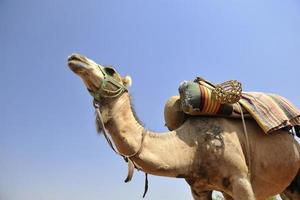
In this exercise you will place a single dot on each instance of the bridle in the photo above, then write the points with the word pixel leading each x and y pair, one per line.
pixel 104 92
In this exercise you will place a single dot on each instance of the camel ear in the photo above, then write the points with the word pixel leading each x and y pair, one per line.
pixel 127 81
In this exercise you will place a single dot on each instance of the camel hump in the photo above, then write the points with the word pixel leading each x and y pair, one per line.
pixel 174 116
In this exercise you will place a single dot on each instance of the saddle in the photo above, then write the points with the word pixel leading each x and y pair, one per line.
pixel 202 98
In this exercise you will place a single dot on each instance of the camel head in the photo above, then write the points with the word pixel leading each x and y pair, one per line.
pixel 99 80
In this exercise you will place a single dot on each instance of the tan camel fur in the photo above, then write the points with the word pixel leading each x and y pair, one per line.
pixel 209 153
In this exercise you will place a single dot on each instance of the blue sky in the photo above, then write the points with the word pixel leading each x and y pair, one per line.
pixel 49 148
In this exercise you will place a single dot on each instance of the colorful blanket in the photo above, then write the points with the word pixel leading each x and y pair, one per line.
pixel 271 111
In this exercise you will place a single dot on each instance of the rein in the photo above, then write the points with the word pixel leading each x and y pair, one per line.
pixel 104 92
pixel 127 158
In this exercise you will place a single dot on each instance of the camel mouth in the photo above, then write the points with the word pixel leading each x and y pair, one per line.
pixel 86 69
pixel 77 63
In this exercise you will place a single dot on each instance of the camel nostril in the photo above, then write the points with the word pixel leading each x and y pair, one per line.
pixel 70 57
pixel 75 56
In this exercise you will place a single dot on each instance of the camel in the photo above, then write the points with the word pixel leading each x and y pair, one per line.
pixel 210 153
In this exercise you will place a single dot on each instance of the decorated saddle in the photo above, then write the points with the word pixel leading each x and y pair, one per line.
pixel 202 98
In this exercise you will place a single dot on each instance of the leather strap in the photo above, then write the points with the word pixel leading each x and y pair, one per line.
pixel 130 170
pixel 146 185
pixel 127 158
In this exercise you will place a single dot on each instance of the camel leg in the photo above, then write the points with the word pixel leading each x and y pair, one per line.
pixel 242 189
pixel 201 195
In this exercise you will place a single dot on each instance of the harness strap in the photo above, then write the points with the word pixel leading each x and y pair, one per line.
pixel 247 141
pixel 146 185
pixel 97 108
pixel 127 158
pixel 130 170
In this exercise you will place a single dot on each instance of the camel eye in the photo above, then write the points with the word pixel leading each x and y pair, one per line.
pixel 110 71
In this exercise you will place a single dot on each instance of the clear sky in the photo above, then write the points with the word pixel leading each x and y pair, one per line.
pixel 49 149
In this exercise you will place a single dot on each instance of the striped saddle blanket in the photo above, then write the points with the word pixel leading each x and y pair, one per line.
pixel 271 111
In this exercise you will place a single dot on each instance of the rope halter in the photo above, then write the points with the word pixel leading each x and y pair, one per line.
pixel 106 86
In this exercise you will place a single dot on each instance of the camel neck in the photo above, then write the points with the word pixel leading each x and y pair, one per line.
pixel 122 125
pixel 165 154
